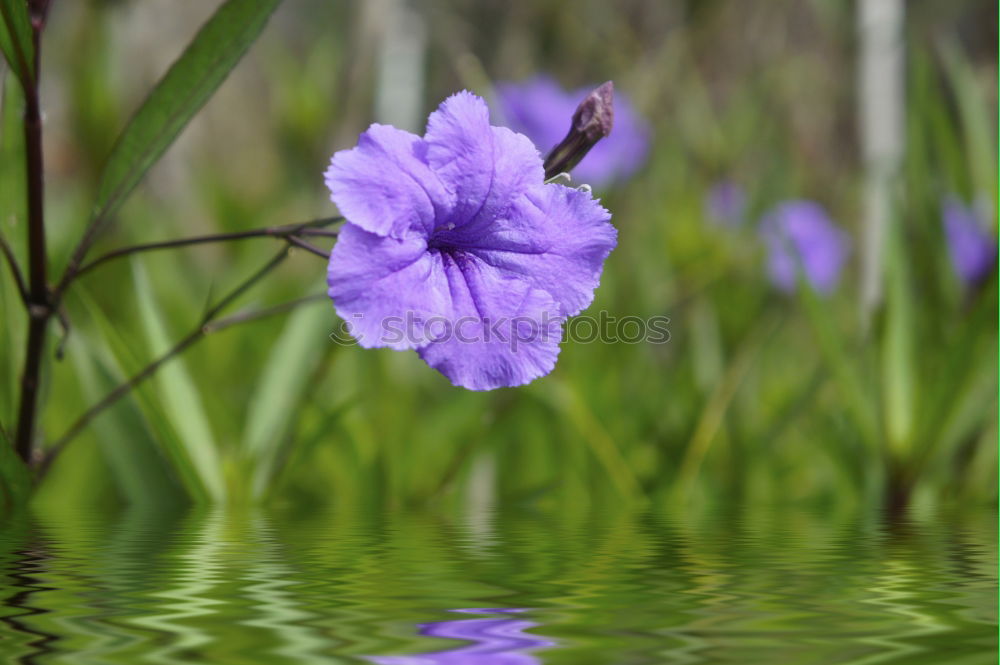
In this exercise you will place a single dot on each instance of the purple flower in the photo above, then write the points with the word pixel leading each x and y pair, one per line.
pixel 491 642
pixel 725 203
pixel 541 109
pixel 972 248
pixel 454 247
pixel 800 233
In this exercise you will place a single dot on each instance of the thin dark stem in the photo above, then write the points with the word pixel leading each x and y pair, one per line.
pixel 39 309
pixel 319 232
pixel 15 269
pixel 308 246
pixel 213 311
pixel 257 314
pixel 63 317
pixel 312 227
pixel 36 190
pixel 204 327
pixel 272 232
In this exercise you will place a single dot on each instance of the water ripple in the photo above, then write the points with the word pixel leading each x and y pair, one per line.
pixel 504 589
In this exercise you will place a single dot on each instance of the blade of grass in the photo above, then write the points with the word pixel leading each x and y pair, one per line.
pixel 972 409
pixel 128 357
pixel 308 443
pixel 182 91
pixel 16 40
pixel 846 372
pixel 718 403
pixel 898 372
pixel 572 407
pixel 272 408
pixel 976 127
pixel 122 433
pixel 180 397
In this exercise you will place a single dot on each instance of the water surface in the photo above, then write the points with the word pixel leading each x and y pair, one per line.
pixel 506 589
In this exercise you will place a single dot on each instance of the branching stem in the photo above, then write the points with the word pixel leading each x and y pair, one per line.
pixel 205 325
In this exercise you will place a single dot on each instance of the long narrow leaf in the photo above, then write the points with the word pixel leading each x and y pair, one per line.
pixel 976 124
pixel 275 403
pixel 180 397
pixel 184 89
pixel 126 355
pixel 844 366
pixel 15 38
pixel 123 435
pixel 898 351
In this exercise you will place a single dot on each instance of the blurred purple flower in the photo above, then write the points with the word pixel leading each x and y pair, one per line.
pixel 800 233
pixel 454 247
pixel 972 248
pixel 493 642
pixel 726 203
pixel 539 108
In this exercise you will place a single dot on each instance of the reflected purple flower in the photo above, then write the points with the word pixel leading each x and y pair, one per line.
pixel 973 249
pixel 539 108
pixel 493 641
pixel 801 233
pixel 725 203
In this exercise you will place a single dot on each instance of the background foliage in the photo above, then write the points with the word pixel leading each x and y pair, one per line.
pixel 758 400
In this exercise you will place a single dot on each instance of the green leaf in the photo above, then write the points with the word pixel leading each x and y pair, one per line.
pixel 15 38
pixel 967 355
pixel 845 367
pixel 180 397
pixel 123 434
pixel 184 89
pixel 977 126
pixel 15 479
pixel 274 405
pixel 570 405
pixel 124 354
pixel 898 357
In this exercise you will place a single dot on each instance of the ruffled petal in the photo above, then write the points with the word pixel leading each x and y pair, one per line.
pixel 555 238
pixel 484 167
pixel 385 186
pixel 386 288
pixel 503 332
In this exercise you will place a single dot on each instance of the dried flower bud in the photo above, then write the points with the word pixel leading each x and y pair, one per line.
pixel 592 121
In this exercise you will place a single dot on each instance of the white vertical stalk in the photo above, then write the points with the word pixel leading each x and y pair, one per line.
pixel 881 99
pixel 400 87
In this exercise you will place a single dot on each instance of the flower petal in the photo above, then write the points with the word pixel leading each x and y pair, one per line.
pixel 538 108
pixel 555 238
pixel 800 235
pixel 972 248
pixel 503 332
pixel 386 288
pixel 483 166
pixel 385 186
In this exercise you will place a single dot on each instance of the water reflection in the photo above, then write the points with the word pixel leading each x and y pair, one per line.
pixel 493 641
pixel 309 587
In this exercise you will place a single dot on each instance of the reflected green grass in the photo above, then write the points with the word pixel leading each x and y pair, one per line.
pixel 277 587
